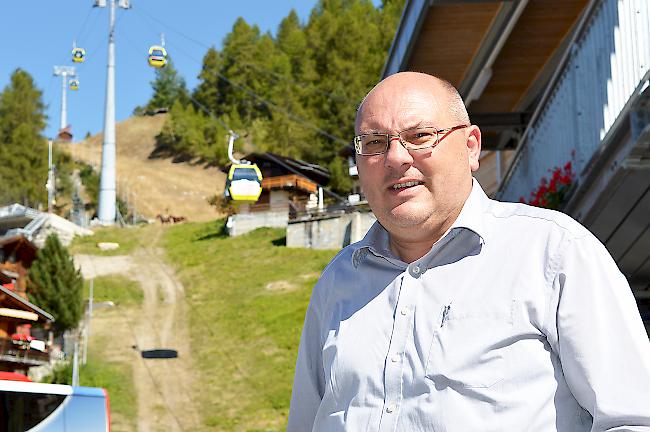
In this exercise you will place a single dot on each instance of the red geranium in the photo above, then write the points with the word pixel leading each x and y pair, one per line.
pixel 551 194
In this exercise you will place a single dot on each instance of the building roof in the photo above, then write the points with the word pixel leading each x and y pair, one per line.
pixel 499 54
pixel 312 171
pixel 17 302
pixel 18 245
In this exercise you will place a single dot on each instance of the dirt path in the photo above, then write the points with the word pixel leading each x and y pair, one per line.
pixel 163 386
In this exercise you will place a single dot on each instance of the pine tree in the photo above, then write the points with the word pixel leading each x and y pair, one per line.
pixel 23 150
pixel 277 90
pixel 168 87
pixel 207 93
pixel 55 285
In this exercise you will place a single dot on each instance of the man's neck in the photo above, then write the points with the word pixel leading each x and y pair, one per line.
pixel 416 242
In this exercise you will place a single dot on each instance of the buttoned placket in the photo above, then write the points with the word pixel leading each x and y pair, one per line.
pixel 394 362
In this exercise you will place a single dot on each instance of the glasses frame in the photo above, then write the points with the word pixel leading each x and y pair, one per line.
pixel 407 145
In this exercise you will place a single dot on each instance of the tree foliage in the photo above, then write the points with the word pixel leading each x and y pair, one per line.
pixel 294 93
pixel 55 285
pixel 23 150
pixel 168 87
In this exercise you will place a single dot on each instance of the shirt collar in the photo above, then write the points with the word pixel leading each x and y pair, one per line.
pixel 471 217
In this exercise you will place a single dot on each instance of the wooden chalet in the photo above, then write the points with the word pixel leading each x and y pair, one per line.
pixel 16 256
pixel 288 184
pixel 19 348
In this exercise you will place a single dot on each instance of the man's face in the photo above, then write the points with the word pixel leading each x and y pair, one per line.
pixel 439 178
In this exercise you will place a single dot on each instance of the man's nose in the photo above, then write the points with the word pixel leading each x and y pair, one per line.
pixel 397 155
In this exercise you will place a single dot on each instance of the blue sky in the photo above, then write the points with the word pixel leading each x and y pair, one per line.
pixel 36 35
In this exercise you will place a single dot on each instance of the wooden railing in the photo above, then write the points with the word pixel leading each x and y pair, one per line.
pixel 20 352
pixel 292 180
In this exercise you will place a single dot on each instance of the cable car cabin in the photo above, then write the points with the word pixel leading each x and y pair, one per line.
pixel 157 56
pixel 74 84
pixel 78 55
pixel 244 183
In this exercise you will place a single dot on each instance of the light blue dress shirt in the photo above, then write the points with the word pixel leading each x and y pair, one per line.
pixel 516 320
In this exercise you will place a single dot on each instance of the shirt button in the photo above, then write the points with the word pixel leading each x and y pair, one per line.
pixel 416 269
pixel 404 311
pixel 390 408
pixel 395 358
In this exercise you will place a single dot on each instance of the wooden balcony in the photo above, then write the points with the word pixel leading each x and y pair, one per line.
pixel 290 181
pixel 20 353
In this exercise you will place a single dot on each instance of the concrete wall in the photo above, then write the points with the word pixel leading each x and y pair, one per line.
pixel 244 222
pixel 329 232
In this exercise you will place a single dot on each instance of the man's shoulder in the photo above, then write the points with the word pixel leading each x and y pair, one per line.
pixel 530 217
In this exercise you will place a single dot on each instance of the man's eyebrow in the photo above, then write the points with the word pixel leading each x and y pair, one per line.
pixel 371 131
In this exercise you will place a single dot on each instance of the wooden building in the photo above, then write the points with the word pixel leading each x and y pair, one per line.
pixel 19 348
pixel 288 184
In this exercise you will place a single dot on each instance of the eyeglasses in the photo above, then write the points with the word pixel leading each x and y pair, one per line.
pixel 412 139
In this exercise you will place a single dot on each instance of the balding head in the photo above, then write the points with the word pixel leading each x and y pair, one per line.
pixel 441 91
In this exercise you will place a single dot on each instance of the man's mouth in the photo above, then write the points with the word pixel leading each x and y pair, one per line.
pixel 404 185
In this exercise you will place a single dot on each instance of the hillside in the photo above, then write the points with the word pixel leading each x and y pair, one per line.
pixel 233 307
pixel 158 185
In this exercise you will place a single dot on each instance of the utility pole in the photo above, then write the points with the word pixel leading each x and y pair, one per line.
pixel 107 209
pixel 51 179
pixel 64 72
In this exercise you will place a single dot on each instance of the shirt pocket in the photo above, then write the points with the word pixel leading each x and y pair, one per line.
pixel 469 344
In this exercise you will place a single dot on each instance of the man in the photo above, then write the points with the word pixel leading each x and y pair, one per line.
pixel 457 312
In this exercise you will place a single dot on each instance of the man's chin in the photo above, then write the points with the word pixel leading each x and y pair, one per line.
pixel 406 216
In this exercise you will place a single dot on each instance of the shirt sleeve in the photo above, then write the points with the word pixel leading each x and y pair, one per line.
pixel 599 337
pixel 309 379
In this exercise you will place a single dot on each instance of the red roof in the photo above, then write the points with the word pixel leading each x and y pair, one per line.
pixel 13 376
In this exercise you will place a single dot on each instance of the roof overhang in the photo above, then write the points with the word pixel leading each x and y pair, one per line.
pixel 498 54
pixel 14 301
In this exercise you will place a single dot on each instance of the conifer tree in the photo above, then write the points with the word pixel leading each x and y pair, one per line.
pixel 168 87
pixel 55 285
pixel 23 150
pixel 207 92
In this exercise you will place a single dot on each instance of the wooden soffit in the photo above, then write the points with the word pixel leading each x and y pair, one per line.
pixel 456 38
pixel 450 37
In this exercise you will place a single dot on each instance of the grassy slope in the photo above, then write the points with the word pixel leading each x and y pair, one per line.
pixel 125 237
pixel 247 299
pixel 116 376
pixel 101 370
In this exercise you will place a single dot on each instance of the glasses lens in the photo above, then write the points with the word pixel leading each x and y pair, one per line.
pixel 420 137
pixel 373 143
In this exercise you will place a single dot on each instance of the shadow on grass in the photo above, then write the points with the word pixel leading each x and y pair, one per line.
pixel 218 230
pixel 280 241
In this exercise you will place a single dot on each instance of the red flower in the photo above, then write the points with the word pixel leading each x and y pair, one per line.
pixel 565 180
pixel 522 200
pixel 567 167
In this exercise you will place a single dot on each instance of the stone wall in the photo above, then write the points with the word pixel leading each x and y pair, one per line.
pixel 329 232
pixel 244 222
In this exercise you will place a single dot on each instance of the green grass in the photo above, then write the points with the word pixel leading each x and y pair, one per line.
pixel 244 333
pixel 117 379
pixel 126 237
pixel 116 288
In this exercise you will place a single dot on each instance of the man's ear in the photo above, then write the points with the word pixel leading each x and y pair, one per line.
pixel 474 147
